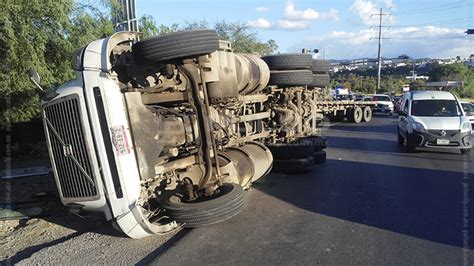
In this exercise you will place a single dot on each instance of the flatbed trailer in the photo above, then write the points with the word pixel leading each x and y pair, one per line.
pixel 337 111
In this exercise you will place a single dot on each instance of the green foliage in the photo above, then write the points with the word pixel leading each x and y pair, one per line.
pixel 455 72
pixel 148 27
pixel 365 80
pixel 243 39
pixel 41 36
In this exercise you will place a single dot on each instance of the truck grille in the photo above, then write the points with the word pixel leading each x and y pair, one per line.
pixel 71 158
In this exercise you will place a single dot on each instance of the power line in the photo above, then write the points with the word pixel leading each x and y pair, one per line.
pixel 444 6
pixel 433 23
pixel 427 10
pixel 426 37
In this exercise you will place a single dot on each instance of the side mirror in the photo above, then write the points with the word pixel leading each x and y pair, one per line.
pixel 35 78
pixel 402 113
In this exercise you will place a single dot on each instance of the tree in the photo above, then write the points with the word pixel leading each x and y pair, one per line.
pixel 31 36
pixel 456 71
pixel 41 36
pixel 243 39
pixel 148 27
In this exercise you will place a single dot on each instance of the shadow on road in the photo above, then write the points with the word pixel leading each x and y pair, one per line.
pixel 422 203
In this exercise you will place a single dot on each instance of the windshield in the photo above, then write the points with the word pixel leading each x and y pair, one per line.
pixel 435 108
pixel 381 98
pixel 468 108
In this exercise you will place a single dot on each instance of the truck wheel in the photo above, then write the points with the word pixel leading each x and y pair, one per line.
pixel 367 114
pixel 409 146
pixel 320 66
pixel 295 166
pixel 288 151
pixel 228 202
pixel 175 45
pixel 356 115
pixel 288 61
pixel 291 78
pixel 400 138
pixel 319 157
pixel 320 80
pixel 319 142
pixel 350 115
pixel 338 117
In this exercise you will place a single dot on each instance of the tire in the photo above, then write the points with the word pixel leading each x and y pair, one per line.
pixel 409 146
pixel 355 115
pixel 465 151
pixel 175 45
pixel 320 80
pixel 400 138
pixel 350 115
pixel 367 116
pixel 337 118
pixel 295 166
pixel 319 157
pixel 291 78
pixel 319 142
pixel 320 66
pixel 229 203
pixel 288 61
pixel 289 151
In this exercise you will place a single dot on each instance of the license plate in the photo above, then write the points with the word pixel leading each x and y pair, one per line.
pixel 442 141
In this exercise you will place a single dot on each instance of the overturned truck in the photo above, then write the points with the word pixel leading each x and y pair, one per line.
pixel 171 131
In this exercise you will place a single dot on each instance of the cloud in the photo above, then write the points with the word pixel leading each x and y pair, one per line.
pixel 282 24
pixel 293 19
pixel 292 25
pixel 366 9
pixel 333 14
pixel 260 23
pixel 389 4
pixel 291 13
pixel 442 42
pixel 261 9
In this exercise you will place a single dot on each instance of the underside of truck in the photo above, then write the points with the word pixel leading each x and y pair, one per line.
pixel 201 124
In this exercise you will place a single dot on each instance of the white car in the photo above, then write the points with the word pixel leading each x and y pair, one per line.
pixel 433 119
pixel 383 104
pixel 469 111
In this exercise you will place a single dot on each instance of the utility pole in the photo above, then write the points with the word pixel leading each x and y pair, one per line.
pixel 125 18
pixel 379 52
pixel 379 58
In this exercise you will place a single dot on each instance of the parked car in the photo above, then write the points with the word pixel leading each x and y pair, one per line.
pixel 433 119
pixel 398 103
pixel 469 111
pixel 367 98
pixel 383 104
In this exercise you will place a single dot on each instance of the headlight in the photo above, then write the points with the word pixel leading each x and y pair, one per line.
pixel 466 127
pixel 418 127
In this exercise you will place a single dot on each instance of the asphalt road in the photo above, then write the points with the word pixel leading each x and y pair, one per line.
pixel 371 203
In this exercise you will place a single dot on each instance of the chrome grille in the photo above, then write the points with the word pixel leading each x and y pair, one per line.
pixel 71 158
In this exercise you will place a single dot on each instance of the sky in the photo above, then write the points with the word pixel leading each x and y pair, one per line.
pixel 339 29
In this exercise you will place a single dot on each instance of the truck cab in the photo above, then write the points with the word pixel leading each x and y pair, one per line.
pixel 170 131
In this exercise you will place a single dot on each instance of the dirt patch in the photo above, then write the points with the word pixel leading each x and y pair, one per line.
pixel 19 238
